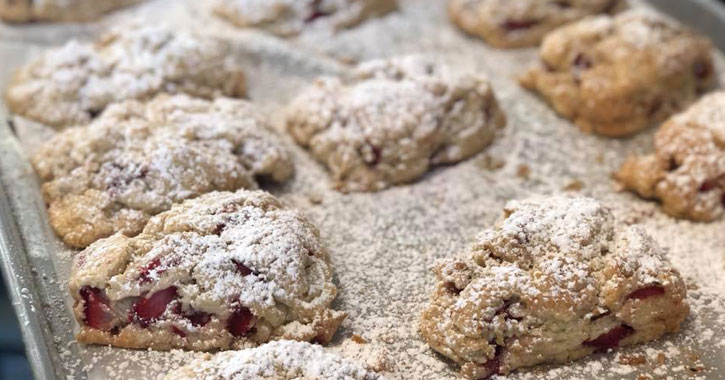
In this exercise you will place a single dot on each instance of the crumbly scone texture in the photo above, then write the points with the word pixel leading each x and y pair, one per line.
pixel 58 10
pixel 279 360
pixel 72 84
pixel 616 75
pixel 224 270
pixel 513 24
pixel 554 281
pixel 139 158
pixel 290 17
pixel 686 173
pixel 393 120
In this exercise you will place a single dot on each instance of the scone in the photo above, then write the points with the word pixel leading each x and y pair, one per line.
pixel 290 17
pixel 393 120
pixel 554 281
pixel 139 158
pixel 616 75
pixel 520 23
pixel 280 360
pixel 72 84
pixel 58 10
pixel 686 173
pixel 224 270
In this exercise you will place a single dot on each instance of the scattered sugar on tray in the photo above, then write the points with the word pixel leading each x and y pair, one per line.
pixel 390 240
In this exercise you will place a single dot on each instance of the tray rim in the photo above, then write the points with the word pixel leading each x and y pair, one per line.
pixel 21 281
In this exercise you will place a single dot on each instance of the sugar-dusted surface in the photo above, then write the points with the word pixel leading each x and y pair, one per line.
pixel 383 245
pixel 281 360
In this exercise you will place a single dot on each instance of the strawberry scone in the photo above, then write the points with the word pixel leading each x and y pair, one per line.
pixel 138 158
pixel 73 84
pixel 616 75
pixel 225 270
pixel 554 281
pixel 686 173
pixel 290 17
pixel 394 120
pixel 520 23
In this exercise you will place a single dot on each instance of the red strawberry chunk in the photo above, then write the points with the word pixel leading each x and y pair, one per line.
pixel 611 338
pixel 145 276
pixel 198 318
pixel 511 25
pixel 707 186
pixel 241 321
pixel 650 291
pixel 493 366
pixel 241 268
pixel 96 312
pixel 149 309
pixel 178 331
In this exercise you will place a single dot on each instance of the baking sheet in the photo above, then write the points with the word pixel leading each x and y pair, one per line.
pixel 382 245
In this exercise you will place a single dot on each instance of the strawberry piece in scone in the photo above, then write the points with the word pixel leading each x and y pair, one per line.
pixel 225 270
pixel 554 281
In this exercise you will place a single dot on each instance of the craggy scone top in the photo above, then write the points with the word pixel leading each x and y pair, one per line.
pixel 280 360
pixel 290 17
pixel 224 270
pixel 555 280
pixel 687 170
pixel 393 120
pixel 139 158
pixel 73 84
pixel 615 75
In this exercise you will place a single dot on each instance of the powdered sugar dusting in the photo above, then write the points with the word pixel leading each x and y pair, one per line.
pixel 72 84
pixel 383 245
pixel 139 158
pixel 283 360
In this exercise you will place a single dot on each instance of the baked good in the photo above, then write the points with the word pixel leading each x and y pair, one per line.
pixel 290 17
pixel 686 173
pixel 72 84
pixel 280 360
pixel 554 281
pixel 394 119
pixel 139 158
pixel 224 270
pixel 520 23
pixel 616 75
pixel 58 10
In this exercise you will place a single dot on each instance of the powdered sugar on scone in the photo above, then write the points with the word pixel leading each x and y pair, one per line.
pixel 290 17
pixel 281 360
pixel 554 281
pixel 137 159
pixel 617 75
pixel 687 170
pixel 393 120
pixel 74 83
pixel 225 270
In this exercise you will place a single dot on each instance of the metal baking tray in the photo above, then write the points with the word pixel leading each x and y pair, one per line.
pixel 383 245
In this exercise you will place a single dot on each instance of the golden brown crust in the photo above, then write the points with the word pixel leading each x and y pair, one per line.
pixel 222 271
pixel 616 75
pixel 687 170
pixel 513 24
pixel 553 282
